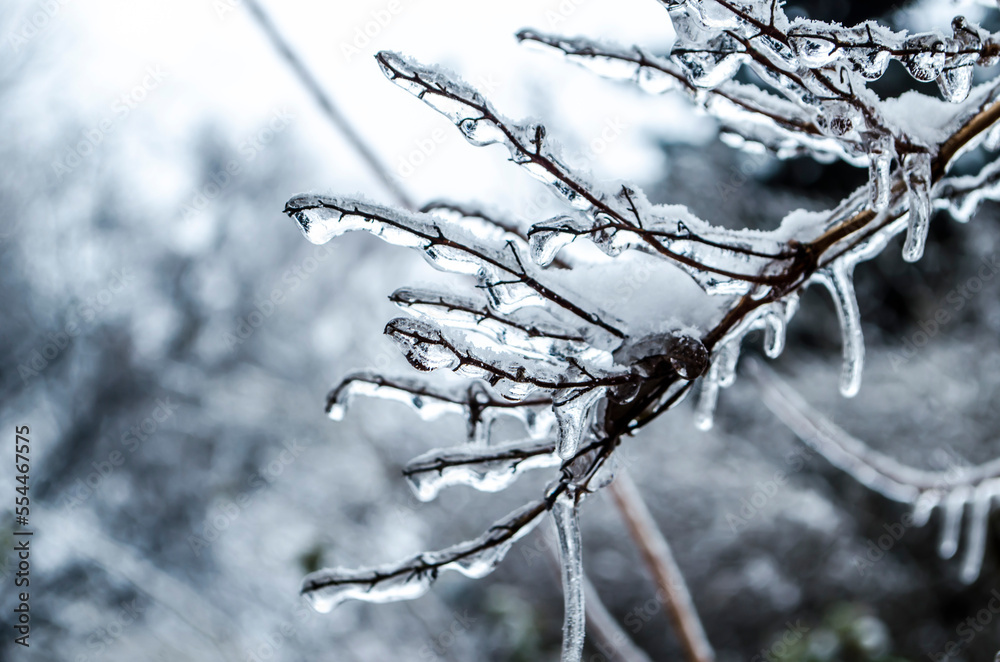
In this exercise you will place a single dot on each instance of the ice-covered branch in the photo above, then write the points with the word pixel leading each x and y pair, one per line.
pixel 530 336
pixel 412 577
pixel 565 515
pixel 486 469
pixel 480 221
pixel 746 111
pixel 501 271
pixel 951 490
pixel 428 348
pixel 596 379
pixel 528 146
pixel 476 402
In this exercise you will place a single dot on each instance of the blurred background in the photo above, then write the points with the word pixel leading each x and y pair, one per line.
pixel 169 338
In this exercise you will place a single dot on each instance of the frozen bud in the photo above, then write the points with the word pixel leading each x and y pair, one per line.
pixel 688 356
pixel 659 355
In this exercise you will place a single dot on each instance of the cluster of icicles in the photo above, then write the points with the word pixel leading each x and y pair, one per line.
pixel 541 353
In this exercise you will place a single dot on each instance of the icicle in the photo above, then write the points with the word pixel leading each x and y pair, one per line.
pixel 924 506
pixel 572 412
pixel 704 415
pixel 774 335
pixel 979 522
pixel 325 589
pixel 564 513
pixel 729 357
pixel 489 469
pixel 838 281
pixel 954 506
pixel 880 152
pixel 917 172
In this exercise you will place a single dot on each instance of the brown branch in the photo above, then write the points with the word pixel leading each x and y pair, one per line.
pixel 661 565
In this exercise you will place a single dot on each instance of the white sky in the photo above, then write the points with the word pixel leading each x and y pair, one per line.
pixel 220 65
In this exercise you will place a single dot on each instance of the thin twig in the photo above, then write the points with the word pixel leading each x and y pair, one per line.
pixel 325 101
pixel 661 564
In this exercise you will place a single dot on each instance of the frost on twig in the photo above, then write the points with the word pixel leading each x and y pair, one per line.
pixel 526 330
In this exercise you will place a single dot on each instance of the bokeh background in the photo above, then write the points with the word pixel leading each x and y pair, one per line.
pixel 169 337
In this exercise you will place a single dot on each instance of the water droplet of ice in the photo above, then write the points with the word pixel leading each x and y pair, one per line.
pixel 956 83
pixel 548 238
pixel 813 50
pixel 925 58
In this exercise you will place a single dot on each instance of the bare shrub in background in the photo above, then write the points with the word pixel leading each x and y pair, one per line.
pixel 582 378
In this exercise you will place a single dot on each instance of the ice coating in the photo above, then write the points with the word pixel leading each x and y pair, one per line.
pixel 474 401
pixel 722 262
pixel 522 337
pixel 427 404
pixel 485 469
pixel 531 337
pixel 501 271
pixel 515 376
pixel 747 112
pixel 962 196
pixel 482 125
